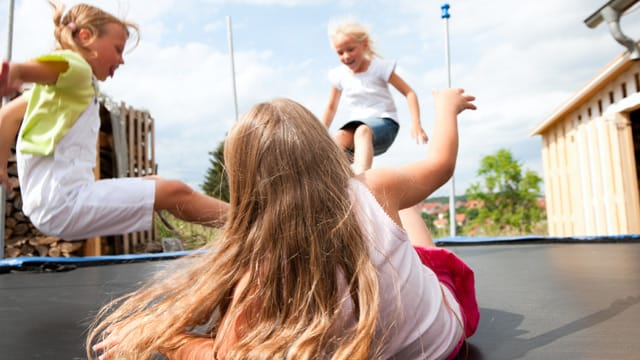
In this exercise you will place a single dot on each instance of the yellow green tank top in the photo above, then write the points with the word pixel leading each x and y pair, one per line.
pixel 53 109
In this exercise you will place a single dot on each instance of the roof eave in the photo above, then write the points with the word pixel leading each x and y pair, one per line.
pixel 612 70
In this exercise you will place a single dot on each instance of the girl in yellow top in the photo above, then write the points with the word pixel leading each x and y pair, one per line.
pixel 56 145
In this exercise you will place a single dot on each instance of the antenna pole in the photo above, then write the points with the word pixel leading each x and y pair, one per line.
pixel 233 68
pixel 3 195
pixel 452 195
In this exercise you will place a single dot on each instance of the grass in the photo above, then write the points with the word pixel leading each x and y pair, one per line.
pixel 193 236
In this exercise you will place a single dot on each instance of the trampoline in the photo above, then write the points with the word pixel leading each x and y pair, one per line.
pixel 540 298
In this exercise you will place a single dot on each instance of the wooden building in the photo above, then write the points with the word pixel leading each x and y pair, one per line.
pixel 125 149
pixel 591 156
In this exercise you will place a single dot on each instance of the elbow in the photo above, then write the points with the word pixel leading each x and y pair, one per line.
pixel 447 169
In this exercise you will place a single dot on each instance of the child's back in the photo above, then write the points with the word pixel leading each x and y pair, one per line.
pixel 301 233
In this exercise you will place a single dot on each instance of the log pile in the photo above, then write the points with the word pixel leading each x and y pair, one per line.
pixel 126 149
pixel 21 237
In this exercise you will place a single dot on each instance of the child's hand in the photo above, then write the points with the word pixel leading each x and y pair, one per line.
pixel 4 78
pixel 7 87
pixel 418 134
pixel 109 344
pixel 453 100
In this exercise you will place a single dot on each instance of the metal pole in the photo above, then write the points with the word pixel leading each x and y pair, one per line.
pixel 233 68
pixel 452 194
pixel 3 195
pixel 10 31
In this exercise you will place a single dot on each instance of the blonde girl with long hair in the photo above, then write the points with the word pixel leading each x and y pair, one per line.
pixel 312 263
pixel 361 83
pixel 57 124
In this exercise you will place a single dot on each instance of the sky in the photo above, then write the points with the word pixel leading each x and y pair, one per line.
pixel 521 59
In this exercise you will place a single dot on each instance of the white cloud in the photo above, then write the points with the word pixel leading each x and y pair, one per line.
pixel 521 59
pixel 289 3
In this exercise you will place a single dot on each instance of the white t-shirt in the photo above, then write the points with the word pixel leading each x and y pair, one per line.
pixel 366 94
pixel 413 319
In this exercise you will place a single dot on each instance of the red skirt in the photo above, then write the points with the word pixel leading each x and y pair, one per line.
pixel 459 278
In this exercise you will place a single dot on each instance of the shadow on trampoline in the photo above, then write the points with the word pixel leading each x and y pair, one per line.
pixel 501 332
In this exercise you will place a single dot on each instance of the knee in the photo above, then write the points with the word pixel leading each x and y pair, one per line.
pixel 344 139
pixel 363 133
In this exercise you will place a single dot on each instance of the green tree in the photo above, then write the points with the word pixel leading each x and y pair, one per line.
pixel 509 198
pixel 216 183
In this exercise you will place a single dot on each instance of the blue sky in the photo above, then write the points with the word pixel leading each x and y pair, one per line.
pixel 521 59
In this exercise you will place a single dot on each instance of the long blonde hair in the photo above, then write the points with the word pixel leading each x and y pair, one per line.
pixel 292 228
pixel 355 30
pixel 83 16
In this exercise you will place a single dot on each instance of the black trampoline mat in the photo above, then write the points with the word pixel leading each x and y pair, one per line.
pixel 537 301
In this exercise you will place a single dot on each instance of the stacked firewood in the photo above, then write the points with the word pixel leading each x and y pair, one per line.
pixel 21 238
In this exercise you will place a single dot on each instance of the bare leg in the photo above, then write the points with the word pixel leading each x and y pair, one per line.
pixel 363 149
pixel 344 139
pixel 418 232
pixel 187 204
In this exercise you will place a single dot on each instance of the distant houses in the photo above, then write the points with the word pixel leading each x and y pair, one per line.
pixel 440 211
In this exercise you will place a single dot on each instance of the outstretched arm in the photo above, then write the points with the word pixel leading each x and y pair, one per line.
pixel 41 72
pixel 12 76
pixel 332 107
pixel 417 132
pixel 10 119
pixel 405 186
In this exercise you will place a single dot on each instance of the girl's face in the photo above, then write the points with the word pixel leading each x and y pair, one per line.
pixel 351 52
pixel 108 50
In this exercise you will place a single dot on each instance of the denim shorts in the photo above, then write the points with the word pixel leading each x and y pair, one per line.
pixel 384 132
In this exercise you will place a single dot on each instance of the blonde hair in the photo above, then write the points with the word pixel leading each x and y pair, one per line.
pixel 292 228
pixel 83 16
pixel 356 31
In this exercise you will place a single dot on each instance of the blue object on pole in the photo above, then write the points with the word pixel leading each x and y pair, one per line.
pixel 445 11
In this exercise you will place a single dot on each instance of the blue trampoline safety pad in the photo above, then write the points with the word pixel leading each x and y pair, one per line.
pixel 64 263
pixel 539 298
pixel 35 262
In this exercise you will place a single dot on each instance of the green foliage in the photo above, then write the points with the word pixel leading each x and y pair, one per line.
pixel 216 183
pixel 193 236
pixel 445 199
pixel 509 198
pixel 163 231
pixel 430 219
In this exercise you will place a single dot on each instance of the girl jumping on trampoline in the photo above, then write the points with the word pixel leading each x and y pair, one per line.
pixel 56 142
pixel 364 80
pixel 312 263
